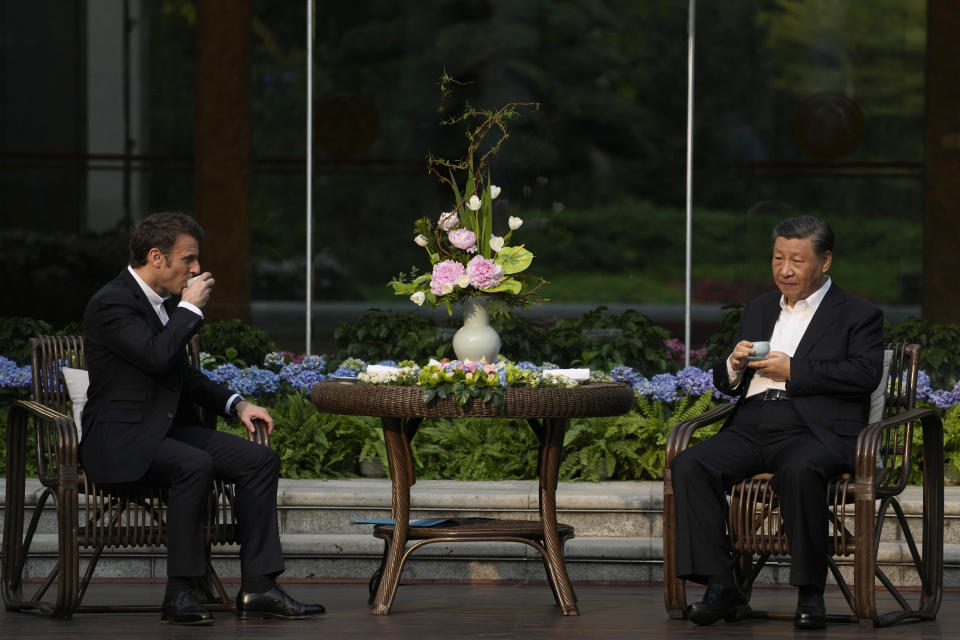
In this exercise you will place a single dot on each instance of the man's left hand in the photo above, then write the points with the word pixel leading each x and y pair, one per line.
pixel 248 412
pixel 775 366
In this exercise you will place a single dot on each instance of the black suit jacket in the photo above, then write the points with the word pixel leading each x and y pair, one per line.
pixel 141 383
pixel 837 364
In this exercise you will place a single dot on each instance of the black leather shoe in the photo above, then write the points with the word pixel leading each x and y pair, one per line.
pixel 719 603
pixel 182 607
pixel 274 603
pixel 811 612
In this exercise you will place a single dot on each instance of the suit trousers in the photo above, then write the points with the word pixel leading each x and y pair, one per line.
pixel 764 437
pixel 186 463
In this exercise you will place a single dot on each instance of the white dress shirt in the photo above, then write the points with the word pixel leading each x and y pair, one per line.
pixel 787 333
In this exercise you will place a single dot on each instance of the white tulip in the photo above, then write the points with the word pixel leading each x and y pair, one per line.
pixel 446 288
pixel 496 243
pixel 421 240
pixel 494 191
pixel 418 298
pixel 514 222
pixel 463 281
pixel 474 203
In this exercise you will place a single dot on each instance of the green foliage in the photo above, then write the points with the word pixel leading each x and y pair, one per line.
pixel 522 339
pixel 317 445
pixel 940 355
pixel 381 335
pixel 475 449
pixel 236 342
pixel 718 344
pixel 15 334
pixel 599 340
pixel 951 446
pixel 629 447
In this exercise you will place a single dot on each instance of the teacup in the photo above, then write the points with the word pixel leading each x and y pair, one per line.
pixel 760 349
pixel 190 281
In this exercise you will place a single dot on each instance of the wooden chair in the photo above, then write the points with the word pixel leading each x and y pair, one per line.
pixel 865 502
pixel 87 516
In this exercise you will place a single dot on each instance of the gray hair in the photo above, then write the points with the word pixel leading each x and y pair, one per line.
pixel 803 227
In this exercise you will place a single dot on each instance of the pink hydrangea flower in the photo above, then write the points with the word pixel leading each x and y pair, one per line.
pixel 483 273
pixel 445 273
pixel 463 239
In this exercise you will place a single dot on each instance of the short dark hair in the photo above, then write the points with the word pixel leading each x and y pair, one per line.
pixel 817 230
pixel 160 230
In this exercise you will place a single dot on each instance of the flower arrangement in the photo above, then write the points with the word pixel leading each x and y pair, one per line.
pixel 467 258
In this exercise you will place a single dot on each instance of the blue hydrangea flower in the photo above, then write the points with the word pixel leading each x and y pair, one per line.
pixel 318 363
pixel 664 388
pixel 526 365
pixel 300 377
pixel 626 374
pixel 13 376
pixel 274 361
pixel 694 381
pixel 387 363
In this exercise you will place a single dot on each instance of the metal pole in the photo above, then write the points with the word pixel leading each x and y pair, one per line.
pixel 309 292
pixel 689 195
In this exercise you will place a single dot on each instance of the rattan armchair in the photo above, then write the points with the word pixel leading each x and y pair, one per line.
pixel 88 517
pixel 860 508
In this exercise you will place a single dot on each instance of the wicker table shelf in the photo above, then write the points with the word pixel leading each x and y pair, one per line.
pixel 401 410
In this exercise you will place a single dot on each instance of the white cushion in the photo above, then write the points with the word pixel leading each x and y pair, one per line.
pixel 77 382
pixel 879 396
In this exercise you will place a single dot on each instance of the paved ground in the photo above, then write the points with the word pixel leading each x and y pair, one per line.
pixel 460 611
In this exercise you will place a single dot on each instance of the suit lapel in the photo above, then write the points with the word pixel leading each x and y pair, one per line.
pixel 829 309
pixel 151 314
pixel 771 313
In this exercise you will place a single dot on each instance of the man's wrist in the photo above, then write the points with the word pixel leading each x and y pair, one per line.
pixel 232 409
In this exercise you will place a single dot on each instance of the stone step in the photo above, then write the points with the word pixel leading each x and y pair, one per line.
pixel 618 533
pixel 356 556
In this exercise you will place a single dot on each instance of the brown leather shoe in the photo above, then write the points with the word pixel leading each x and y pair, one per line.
pixel 274 603
pixel 182 607
pixel 719 603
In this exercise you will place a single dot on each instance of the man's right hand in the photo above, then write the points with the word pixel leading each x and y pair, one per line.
pixel 198 292
pixel 738 359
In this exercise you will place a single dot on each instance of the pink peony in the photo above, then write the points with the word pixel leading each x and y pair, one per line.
pixel 483 273
pixel 445 273
pixel 448 220
pixel 463 239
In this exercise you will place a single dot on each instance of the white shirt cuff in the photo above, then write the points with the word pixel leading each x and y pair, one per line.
pixel 734 376
pixel 226 409
pixel 191 307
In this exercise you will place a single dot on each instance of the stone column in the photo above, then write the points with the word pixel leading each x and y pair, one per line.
pixel 223 152
pixel 941 224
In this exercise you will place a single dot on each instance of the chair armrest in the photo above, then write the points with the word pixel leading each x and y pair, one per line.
pixel 679 438
pixel 260 434
pixel 891 441
pixel 55 441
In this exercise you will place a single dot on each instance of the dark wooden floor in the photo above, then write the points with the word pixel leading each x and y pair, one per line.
pixel 461 611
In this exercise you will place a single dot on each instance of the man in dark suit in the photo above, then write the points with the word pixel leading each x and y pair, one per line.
pixel 140 425
pixel 798 414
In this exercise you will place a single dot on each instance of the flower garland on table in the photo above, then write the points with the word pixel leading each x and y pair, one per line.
pixel 464 381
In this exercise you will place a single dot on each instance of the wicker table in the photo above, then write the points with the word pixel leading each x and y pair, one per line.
pixel 401 410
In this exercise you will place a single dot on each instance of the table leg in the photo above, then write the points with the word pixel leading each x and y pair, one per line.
pixel 402 478
pixel 551 450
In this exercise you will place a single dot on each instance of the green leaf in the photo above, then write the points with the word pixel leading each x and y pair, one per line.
pixel 507 284
pixel 514 259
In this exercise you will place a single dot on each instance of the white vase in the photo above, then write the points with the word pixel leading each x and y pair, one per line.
pixel 476 339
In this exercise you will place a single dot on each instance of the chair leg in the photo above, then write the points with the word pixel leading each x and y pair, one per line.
pixel 674 590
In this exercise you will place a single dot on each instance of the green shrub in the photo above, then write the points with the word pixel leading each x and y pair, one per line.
pixel 475 449
pixel 380 336
pixel 940 353
pixel 237 342
pixel 602 341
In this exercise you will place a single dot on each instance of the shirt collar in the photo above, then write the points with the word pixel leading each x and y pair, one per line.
pixel 155 298
pixel 813 300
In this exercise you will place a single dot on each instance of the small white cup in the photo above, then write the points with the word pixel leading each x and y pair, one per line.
pixel 761 349
pixel 190 281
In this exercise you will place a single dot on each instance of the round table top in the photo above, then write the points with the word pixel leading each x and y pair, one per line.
pixel 588 400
